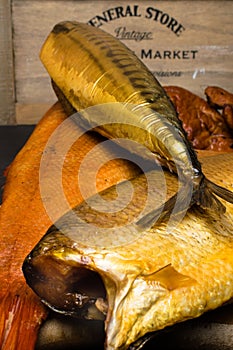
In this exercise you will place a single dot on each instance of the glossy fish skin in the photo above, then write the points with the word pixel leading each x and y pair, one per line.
pixel 152 281
pixel 92 68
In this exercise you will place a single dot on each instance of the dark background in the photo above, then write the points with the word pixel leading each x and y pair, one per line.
pixel 12 139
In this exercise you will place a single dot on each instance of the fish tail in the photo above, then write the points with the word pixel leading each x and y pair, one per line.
pixel 205 196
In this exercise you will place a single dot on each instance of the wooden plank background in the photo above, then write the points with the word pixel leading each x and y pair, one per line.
pixel 208 30
pixel 7 98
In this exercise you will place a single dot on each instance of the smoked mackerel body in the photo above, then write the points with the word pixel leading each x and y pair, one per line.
pixel 91 68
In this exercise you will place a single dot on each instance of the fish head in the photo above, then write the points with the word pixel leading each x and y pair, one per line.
pixel 93 284
pixel 102 266
pixel 67 288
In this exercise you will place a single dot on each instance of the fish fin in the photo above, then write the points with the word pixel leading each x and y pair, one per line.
pixel 174 208
pixel 208 201
pixel 220 191
pixel 170 278
pixel 156 215
pixel 206 198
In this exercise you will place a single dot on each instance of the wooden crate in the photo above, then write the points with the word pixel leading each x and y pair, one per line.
pixel 185 43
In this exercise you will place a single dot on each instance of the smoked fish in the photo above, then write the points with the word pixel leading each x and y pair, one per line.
pixel 95 265
pixel 24 219
pixel 90 68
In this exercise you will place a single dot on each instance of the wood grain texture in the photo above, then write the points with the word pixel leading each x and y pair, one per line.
pixel 7 113
pixel 207 31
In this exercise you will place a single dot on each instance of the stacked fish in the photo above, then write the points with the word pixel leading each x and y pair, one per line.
pixel 132 266
pixel 140 261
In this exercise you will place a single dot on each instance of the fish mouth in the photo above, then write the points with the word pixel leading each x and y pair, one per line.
pixel 70 290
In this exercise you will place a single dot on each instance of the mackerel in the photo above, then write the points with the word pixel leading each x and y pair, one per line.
pixel 90 67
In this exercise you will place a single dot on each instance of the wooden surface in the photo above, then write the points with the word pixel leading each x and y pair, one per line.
pixel 195 56
pixel 7 107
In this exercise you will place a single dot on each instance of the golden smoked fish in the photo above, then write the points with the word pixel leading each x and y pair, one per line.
pixel 93 263
pixel 90 67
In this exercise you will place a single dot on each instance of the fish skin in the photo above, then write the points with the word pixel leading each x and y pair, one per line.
pixel 97 75
pixel 24 219
pixel 156 280
pixel 92 68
